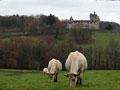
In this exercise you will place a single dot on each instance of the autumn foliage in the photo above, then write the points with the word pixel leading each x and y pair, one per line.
pixel 22 53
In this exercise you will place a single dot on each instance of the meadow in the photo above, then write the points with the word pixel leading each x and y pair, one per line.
pixel 33 80
pixel 101 39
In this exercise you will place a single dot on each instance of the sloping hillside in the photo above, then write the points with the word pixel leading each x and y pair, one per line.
pixel 104 24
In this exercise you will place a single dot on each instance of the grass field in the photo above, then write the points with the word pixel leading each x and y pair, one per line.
pixel 28 80
pixel 99 38
pixel 102 39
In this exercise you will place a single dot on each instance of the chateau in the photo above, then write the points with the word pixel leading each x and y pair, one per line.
pixel 93 23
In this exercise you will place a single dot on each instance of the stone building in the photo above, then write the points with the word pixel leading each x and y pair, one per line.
pixel 93 23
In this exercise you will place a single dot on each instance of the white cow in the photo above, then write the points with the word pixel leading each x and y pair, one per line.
pixel 54 67
pixel 76 64
pixel 45 71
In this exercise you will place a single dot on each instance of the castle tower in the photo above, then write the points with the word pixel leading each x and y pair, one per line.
pixel 94 17
pixel 71 18
pixel 70 23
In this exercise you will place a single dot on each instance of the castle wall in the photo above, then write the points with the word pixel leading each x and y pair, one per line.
pixel 89 25
pixel 93 23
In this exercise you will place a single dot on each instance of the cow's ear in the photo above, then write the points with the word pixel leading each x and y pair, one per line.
pixel 77 74
pixel 66 75
pixel 51 73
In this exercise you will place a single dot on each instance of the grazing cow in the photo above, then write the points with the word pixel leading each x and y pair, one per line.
pixel 54 67
pixel 45 71
pixel 76 64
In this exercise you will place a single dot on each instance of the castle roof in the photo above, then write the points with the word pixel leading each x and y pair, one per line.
pixel 82 21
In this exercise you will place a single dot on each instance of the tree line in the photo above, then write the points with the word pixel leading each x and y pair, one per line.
pixel 33 25
pixel 22 54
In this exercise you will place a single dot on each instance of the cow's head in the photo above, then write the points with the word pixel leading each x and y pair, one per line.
pixel 72 78
pixel 51 77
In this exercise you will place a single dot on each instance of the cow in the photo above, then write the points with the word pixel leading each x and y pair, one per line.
pixel 76 64
pixel 54 67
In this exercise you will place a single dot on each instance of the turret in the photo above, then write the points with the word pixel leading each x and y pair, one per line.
pixel 71 18
pixel 94 17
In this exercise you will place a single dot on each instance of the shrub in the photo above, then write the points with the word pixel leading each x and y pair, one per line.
pixel 81 35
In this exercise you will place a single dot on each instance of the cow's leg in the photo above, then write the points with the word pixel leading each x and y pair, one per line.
pixel 77 81
pixel 55 80
pixel 80 81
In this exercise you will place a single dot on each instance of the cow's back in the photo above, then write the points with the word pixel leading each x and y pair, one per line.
pixel 82 60
pixel 59 65
pixel 54 65
pixel 76 61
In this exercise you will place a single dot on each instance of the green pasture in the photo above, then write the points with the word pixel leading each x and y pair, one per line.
pixel 102 39
pixel 35 80
pixel 99 38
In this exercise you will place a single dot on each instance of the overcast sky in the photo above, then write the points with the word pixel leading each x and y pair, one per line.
pixel 79 9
